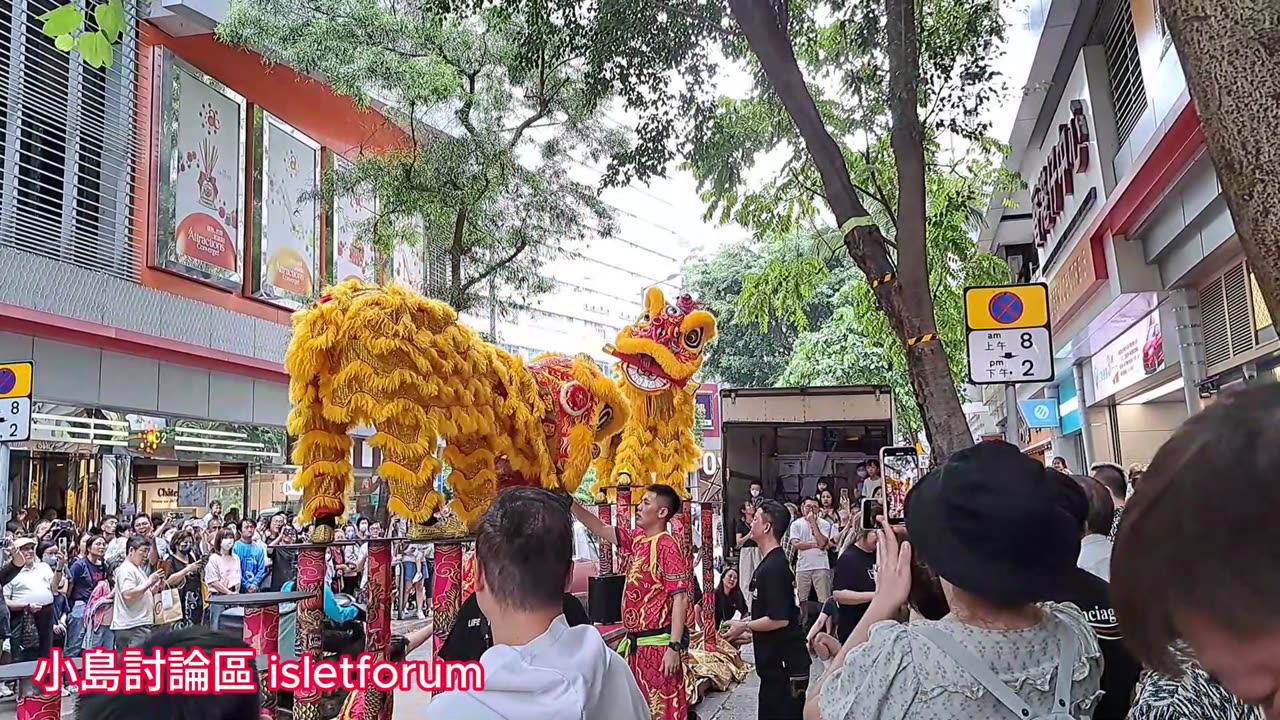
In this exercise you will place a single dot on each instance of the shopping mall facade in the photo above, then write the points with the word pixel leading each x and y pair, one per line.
pixel 1154 309
pixel 154 241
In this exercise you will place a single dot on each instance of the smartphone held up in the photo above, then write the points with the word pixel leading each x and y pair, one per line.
pixel 900 467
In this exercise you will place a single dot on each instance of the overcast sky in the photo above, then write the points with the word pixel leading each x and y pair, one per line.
pixel 671 205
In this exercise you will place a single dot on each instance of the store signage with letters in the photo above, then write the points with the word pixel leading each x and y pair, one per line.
pixel 1057 179
pixel 1083 272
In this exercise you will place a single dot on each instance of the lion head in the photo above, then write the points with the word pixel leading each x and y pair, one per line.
pixel 664 347
pixel 584 408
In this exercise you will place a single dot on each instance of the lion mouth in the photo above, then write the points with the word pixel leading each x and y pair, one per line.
pixel 643 371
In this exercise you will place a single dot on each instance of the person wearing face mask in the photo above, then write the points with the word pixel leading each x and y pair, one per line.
pixel 353 560
pixel 183 569
pixel 222 574
pixel 29 597
pixel 85 574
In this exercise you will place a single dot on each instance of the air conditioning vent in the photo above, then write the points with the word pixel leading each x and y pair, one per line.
pixel 1226 316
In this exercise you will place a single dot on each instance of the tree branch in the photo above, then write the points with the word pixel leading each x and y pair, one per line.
pixel 520 247
pixel 777 58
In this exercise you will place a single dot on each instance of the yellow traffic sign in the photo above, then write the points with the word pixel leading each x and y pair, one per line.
pixel 15 379
pixel 1006 307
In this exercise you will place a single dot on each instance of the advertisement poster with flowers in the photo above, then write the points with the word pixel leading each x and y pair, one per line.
pixel 353 252
pixel 207 190
pixel 290 228
pixel 407 266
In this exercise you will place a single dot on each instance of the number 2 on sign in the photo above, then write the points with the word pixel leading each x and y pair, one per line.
pixel 1028 368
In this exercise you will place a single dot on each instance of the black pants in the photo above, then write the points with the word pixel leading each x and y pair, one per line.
pixel 782 697
pixel 351 585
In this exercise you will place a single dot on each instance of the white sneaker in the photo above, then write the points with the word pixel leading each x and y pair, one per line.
pixel 421 616
pixel 6 691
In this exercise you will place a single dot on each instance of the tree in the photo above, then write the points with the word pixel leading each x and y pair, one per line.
pixel 856 347
pixel 92 35
pixel 871 51
pixel 751 353
pixel 484 181
pixel 1230 55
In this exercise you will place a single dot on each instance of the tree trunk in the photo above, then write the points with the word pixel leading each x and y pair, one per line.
pixel 456 249
pixel 1230 53
pixel 907 302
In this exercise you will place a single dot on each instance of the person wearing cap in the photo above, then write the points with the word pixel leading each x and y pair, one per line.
pixel 988 523
pixel 29 597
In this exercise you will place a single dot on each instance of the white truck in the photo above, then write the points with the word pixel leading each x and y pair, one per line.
pixel 790 438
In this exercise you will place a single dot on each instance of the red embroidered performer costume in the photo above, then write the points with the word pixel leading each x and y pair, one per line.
pixel 655 574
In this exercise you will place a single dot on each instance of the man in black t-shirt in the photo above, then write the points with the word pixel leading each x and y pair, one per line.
pixel 1092 595
pixel 470 636
pixel 782 660
pixel 854 583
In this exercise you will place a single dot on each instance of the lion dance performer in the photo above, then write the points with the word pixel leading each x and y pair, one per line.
pixel 658 356
pixel 392 359
pixel 397 361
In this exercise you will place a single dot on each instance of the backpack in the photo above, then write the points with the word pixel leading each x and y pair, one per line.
pixel 998 689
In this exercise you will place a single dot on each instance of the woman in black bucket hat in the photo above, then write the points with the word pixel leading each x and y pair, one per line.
pixel 988 524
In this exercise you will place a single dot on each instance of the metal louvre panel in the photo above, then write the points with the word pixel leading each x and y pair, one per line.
pixel 1235 289
pixel 70 145
pixel 1213 323
pixel 1124 69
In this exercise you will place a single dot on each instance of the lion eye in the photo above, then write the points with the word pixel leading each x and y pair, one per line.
pixel 644 319
pixel 693 339
pixel 606 414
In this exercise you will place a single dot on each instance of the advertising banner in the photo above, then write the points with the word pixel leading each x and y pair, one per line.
pixel 354 255
pixel 1136 354
pixel 290 228
pixel 207 190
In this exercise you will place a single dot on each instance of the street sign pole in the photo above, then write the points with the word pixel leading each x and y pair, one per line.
pixel 1008 341
pixel 1011 415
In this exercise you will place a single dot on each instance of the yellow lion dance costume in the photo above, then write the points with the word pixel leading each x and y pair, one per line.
pixel 403 364
pixel 658 356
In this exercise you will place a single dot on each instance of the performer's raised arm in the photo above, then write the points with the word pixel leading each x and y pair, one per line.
pixel 608 533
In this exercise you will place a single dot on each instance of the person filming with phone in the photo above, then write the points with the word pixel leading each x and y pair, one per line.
pixel 134 609
pixel 988 524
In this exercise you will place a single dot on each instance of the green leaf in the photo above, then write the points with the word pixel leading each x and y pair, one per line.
pixel 95 49
pixel 110 17
pixel 62 20
pixel 65 43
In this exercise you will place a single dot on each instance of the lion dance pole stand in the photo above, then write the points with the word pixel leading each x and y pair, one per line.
pixel 709 629
pixel 605 565
pixel 310 624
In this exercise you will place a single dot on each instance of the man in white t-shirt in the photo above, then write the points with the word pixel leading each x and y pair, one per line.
pixel 31 593
pixel 134 608
pixel 810 535
pixel 538 668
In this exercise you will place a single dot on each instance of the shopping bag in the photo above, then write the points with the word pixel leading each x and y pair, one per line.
pixel 168 607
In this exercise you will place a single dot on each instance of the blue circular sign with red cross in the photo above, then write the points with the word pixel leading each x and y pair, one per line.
pixel 1005 308
pixel 7 380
